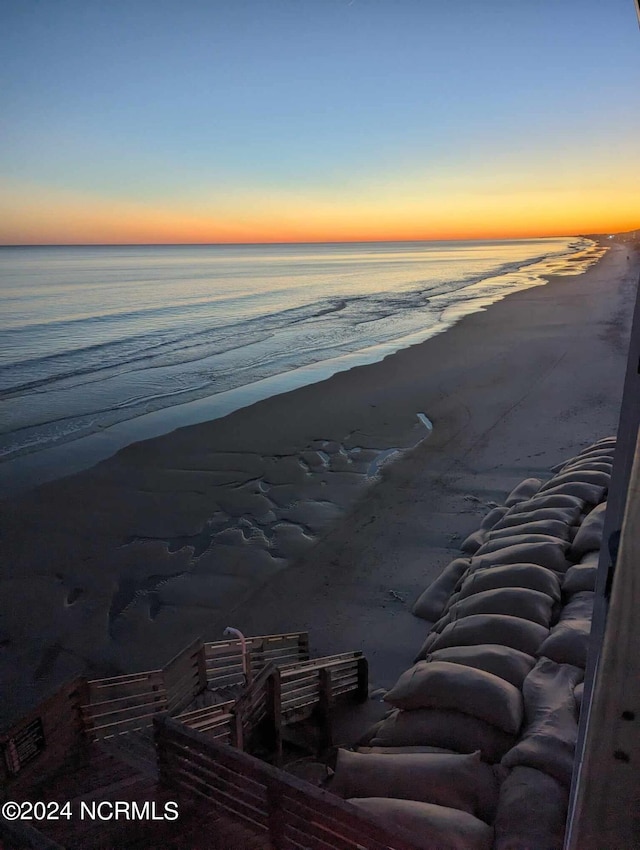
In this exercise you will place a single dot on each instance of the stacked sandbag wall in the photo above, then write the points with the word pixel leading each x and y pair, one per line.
pixel 478 749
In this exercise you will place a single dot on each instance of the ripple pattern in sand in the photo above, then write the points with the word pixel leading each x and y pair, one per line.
pixel 275 506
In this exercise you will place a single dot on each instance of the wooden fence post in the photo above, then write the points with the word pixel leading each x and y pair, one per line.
pixel 274 715
pixel 159 739
pixel 275 813
pixel 202 668
pixel 303 646
pixel 362 692
pixel 237 737
pixel 325 704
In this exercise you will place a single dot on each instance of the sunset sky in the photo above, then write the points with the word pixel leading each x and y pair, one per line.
pixel 142 121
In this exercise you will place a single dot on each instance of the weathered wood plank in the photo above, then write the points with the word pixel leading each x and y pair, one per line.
pixel 341 817
pixel 196 713
pixel 607 811
pixel 230 772
pixel 233 794
pixel 122 702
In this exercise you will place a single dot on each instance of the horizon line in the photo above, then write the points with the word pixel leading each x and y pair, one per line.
pixel 299 242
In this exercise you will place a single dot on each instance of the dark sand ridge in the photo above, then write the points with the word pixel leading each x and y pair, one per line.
pixel 114 569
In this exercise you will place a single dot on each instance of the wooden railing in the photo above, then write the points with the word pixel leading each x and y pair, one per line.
pixel 185 676
pixel 304 685
pixel 224 662
pixel 251 708
pixel 287 694
pixel 123 703
pixel 101 708
pixel 218 722
pixel 128 703
pixel 292 813
pixel 313 688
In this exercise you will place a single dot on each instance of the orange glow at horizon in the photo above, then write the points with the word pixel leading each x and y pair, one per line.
pixel 56 218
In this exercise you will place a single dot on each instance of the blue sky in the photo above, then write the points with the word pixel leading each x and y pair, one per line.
pixel 254 116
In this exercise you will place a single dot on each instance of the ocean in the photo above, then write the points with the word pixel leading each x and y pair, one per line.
pixel 93 336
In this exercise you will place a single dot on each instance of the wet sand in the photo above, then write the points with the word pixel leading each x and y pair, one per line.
pixel 282 516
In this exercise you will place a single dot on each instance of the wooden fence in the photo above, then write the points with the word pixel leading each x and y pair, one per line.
pixel 128 703
pixel 185 676
pixel 218 722
pixel 123 703
pixel 254 707
pixel 280 696
pixel 292 813
pixel 312 688
pixel 224 663
pixel 83 710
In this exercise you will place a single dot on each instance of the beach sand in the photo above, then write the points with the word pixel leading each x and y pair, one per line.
pixel 272 519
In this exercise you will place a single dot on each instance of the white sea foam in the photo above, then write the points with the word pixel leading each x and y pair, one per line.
pixel 155 337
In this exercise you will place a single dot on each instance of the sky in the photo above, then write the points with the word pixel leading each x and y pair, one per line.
pixel 153 121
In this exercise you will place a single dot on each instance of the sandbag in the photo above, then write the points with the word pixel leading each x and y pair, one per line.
pixel 595 464
pixel 494 516
pixel 441 684
pixel 568 642
pixel 509 664
pixel 580 577
pixel 442 623
pixel 431 603
pixel 551 725
pixel 523 491
pixel 502 629
pixel 515 517
pixel 591 494
pixel 545 500
pixel 591 559
pixel 427 646
pixel 477 538
pixel 603 441
pixel 462 782
pixel 580 476
pixel 516 601
pixel 532 811
pixel 589 536
pixel 451 601
pixel 473 542
pixel 550 527
pixel 549 554
pixel 428 825
pixel 607 452
pixel 516 539
pixel 511 575
pixel 596 456
pixel 434 727
pixel 579 607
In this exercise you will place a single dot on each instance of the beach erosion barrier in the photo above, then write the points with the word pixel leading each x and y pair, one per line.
pixel 478 748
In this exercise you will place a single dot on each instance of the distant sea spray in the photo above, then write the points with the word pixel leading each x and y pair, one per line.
pixel 92 336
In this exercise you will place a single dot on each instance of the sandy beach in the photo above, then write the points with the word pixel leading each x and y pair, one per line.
pixel 282 516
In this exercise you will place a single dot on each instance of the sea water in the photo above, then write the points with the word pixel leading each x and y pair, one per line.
pixel 93 336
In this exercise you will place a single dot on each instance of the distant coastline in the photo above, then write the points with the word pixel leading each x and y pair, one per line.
pixel 150 369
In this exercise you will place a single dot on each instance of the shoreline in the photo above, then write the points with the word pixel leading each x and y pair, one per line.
pixel 114 568
pixel 31 468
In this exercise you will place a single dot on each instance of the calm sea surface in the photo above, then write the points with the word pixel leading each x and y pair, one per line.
pixel 92 336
